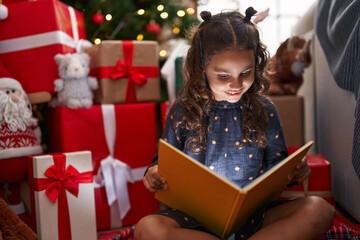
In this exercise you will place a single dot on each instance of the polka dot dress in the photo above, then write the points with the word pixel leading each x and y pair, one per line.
pixel 226 152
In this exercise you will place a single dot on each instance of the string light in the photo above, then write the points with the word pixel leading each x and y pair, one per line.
pixel 141 11
pixel 164 15
pixel 140 37
pixel 160 7
pixel 190 11
pixel 108 17
pixel 162 53
pixel 97 41
pixel 176 30
pixel 181 13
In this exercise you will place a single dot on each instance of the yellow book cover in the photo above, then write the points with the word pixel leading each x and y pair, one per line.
pixel 217 203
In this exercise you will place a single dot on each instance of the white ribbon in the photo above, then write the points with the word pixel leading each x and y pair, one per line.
pixel 46 39
pixel 116 174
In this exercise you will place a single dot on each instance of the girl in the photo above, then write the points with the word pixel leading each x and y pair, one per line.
pixel 223 120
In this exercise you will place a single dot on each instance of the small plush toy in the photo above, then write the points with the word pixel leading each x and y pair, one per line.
pixel 20 136
pixel 19 133
pixel 11 226
pixel 287 66
pixel 75 88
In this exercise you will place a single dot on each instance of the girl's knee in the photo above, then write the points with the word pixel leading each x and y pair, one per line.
pixel 150 227
pixel 321 211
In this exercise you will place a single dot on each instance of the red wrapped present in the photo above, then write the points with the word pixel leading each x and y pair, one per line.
pixel 33 33
pixel 128 71
pixel 318 184
pixel 62 196
pixel 164 107
pixel 123 140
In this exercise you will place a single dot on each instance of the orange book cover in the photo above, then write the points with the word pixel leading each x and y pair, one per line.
pixel 217 203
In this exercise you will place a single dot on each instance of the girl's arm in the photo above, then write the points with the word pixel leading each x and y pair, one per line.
pixel 152 180
pixel 276 149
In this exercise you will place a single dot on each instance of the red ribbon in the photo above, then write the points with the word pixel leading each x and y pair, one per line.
pixel 124 69
pixel 59 180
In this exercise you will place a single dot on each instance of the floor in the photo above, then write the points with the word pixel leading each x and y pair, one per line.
pixel 341 211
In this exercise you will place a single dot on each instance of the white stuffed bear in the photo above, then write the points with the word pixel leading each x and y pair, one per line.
pixel 75 88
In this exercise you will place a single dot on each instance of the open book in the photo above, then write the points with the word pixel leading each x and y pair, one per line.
pixel 217 203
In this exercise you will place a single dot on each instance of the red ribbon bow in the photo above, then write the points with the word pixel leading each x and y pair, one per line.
pixel 59 180
pixel 125 70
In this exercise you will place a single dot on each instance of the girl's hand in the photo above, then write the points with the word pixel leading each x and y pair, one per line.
pixel 153 181
pixel 301 172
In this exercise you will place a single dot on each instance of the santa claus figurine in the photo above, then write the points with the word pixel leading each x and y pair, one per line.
pixel 19 137
pixel 19 132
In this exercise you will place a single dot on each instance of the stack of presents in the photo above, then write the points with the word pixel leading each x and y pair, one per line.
pixel 90 179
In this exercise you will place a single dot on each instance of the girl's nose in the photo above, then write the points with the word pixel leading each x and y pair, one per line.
pixel 236 83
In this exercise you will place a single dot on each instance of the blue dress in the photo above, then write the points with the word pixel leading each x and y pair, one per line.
pixel 225 155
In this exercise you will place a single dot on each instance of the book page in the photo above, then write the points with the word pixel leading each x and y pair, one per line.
pixel 267 187
pixel 194 189
pixel 217 203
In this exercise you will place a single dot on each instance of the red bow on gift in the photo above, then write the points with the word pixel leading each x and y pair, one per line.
pixel 125 70
pixel 59 180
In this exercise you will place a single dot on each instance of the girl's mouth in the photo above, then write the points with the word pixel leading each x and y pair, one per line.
pixel 233 93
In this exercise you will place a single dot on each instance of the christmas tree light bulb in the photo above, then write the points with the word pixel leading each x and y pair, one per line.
pixel 181 13
pixel 176 30
pixel 162 53
pixel 141 11
pixel 160 7
pixel 108 17
pixel 140 37
pixel 164 15
pixel 190 11
pixel 97 41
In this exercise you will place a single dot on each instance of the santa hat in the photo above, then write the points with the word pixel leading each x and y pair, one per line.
pixel 7 81
pixel 10 83
pixel 4 12
pixel 4 72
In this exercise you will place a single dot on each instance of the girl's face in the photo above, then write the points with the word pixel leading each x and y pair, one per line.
pixel 231 74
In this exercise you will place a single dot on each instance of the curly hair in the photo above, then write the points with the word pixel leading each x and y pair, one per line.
pixel 222 32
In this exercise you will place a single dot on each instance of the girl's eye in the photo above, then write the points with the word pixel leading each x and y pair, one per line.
pixel 245 74
pixel 224 76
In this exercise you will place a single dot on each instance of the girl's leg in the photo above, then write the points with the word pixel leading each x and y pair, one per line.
pixel 305 218
pixel 164 228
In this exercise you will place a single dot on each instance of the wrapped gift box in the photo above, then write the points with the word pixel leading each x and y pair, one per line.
pixel 116 134
pixel 163 113
pixel 62 196
pixel 291 113
pixel 179 81
pixel 128 71
pixel 33 33
pixel 318 184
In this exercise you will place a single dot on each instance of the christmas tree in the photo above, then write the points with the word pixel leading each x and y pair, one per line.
pixel 136 19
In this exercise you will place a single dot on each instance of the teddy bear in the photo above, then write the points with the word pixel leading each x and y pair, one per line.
pixel 12 227
pixel 75 88
pixel 287 66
